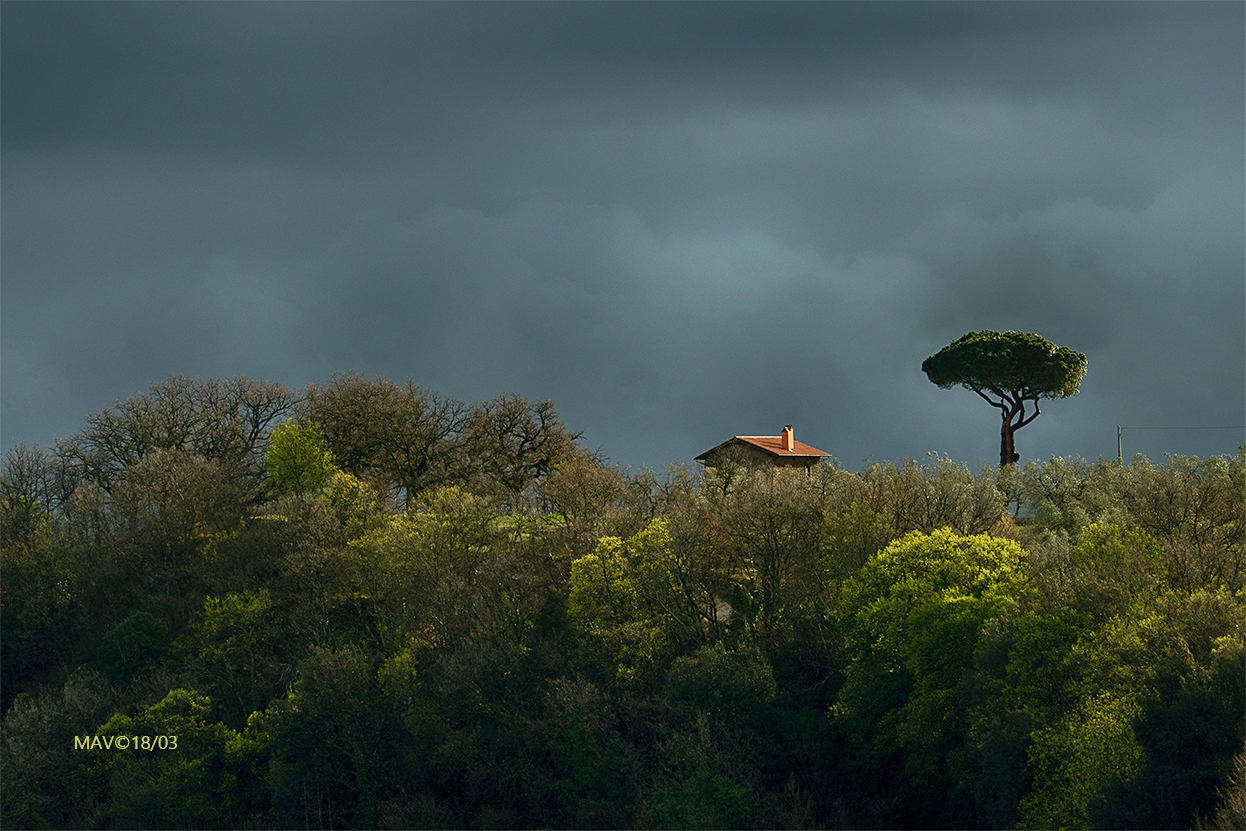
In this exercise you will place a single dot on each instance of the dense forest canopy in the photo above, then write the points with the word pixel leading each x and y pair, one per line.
pixel 369 605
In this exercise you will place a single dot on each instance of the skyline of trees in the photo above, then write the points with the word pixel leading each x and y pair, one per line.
pixel 451 615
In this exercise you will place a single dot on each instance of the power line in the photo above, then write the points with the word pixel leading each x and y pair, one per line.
pixel 1233 427
pixel 1119 428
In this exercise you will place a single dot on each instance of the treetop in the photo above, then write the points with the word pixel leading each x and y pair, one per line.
pixel 1024 364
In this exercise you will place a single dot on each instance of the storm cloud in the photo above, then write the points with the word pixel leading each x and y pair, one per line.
pixel 680 222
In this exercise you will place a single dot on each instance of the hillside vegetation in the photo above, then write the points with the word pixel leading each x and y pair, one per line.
pixel 366 605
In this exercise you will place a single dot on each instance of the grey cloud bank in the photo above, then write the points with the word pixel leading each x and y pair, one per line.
pixel 678 221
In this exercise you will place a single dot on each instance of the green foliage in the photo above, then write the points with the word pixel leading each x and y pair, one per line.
pixel 317 570
pixel 1189 672
pixel 1143 713
pixel 400 681
pixel 588 500
pixel 136 643
pixel 695 785
pixel 192 785
pixel 1076 760
pixel 408 643
pixel 772 520
pixel 731 685
pixel 939 567
pixel 297 460
pixel 1005 363
pixel 626 594
pixel 912 621
pixel 37 756
pixel 1064 495
pixel 1014 368
pixel 326 738
pixel 1036 672
pixel 1231 811
pixel 433 575
pixel 593 768
pixel 945 494
pixel 1193 508
pixel 240 643
pixel 705 800
pixel 356 504
pixel 21 520
pixel 851 538
pixel 1196 509
pixel 1113 567
pixel 39 588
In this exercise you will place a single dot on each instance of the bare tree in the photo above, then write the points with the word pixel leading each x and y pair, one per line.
pixel 406 438
pixel 226 422
pixel 515 443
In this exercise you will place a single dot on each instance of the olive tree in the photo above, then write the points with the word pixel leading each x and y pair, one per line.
pixel 1008 369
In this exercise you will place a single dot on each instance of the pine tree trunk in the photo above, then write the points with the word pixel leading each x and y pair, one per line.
pixel 1007 447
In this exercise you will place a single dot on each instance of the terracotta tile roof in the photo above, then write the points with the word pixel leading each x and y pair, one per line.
pixel 774 444
pixel 771 444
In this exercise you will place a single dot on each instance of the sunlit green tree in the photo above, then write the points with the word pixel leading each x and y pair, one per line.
pixel 297 459
pixel 912 620
pixel 241 645
pixel 626 594
pixel 1077 758
pixel 187 779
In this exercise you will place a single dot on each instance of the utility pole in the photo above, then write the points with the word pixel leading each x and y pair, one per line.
pixel 1118 443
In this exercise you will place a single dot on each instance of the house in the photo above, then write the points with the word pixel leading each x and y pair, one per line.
pixel 781 451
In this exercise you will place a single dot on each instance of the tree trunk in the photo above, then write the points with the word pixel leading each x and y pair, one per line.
pixel 1007 447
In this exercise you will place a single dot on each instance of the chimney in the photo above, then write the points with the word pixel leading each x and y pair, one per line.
pixel 789 442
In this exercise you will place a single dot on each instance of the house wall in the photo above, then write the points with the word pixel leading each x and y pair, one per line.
pixel 747 454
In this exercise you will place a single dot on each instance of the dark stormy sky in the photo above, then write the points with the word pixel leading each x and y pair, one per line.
pixel 678 221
